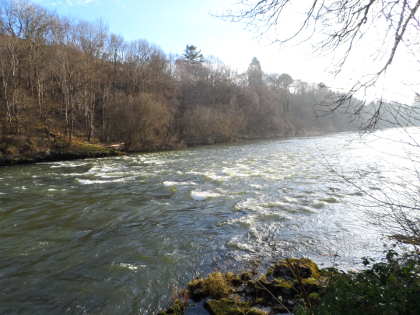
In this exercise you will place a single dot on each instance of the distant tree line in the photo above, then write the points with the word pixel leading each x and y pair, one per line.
pixel 75 79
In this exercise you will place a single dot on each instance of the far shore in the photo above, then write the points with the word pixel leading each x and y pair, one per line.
pixel 17 152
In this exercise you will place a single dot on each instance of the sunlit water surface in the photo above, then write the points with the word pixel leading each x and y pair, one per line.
pixel 119 235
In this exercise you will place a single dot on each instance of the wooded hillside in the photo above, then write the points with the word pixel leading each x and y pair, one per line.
pixel 67 80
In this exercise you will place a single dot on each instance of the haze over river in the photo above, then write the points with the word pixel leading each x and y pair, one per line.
pixel 118 235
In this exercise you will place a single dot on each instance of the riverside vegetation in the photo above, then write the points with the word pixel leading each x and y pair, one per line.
pixel 298 286
pixel 64 82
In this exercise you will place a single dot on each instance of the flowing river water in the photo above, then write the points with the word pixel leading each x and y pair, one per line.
pixel 119 235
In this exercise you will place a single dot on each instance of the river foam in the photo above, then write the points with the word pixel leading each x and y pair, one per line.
pixel 203 195
pixel 100 181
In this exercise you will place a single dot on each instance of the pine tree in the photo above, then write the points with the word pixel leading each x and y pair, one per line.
pixel 255 73
pixel 193 55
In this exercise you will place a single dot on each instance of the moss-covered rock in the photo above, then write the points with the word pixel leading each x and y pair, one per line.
pixel 282 283
pixel 311 284
pixel 298 286
pixel 177 308
pixel 287 284
pixel 294 269
pixel 227 306
pixel 233 279
pixel 216 285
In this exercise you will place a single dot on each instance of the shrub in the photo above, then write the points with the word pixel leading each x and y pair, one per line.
pixel 390 287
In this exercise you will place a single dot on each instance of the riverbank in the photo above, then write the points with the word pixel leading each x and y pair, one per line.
pixel 299 286
pixel 17 150
pixel 27 150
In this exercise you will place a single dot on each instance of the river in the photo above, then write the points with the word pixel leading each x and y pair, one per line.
pixel 119 235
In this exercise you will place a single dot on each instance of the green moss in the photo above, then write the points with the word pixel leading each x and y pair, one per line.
pixel 231 307
pixel 177 308
pixel 311 283
pixel 216 285
pixel 314 297
pixel 294 269
pixel 270 292
pixel 279 282
pixel 233 279
pixel 305 265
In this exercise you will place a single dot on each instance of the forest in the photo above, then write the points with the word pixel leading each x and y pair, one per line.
pixel 66 81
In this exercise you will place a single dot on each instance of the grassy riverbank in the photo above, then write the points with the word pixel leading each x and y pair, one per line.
pixel 33 149
pixel 298 286
pixel 23 150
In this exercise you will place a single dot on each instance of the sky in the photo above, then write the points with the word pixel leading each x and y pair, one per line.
pixel 172 24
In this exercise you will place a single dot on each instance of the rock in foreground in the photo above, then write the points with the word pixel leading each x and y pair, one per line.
pixel 286 285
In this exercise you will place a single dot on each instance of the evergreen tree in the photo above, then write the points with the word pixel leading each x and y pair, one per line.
pixel 193 55
pixel 255 73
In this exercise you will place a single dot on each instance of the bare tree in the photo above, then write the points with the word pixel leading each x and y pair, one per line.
pixel 72 80
pixel 342 22
pixel 341 26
